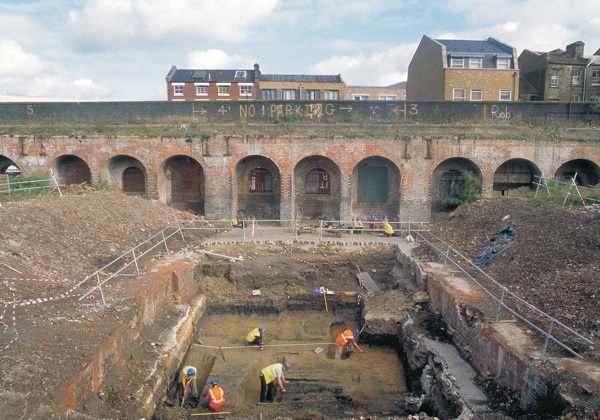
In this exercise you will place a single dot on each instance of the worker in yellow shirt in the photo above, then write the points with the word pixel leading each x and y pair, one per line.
pixel 268 376
pixel 255 337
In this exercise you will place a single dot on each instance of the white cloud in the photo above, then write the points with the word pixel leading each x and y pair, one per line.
pixel 379 68
pixel 218 59
pixel 105 24
pixel 18 62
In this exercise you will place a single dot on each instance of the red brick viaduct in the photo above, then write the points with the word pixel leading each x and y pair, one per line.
pixel 397 170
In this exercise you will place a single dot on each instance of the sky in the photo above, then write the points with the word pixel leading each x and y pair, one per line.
pixel 122 50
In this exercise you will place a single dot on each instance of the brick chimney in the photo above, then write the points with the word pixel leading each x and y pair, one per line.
pixel 256 71
pixel 575 49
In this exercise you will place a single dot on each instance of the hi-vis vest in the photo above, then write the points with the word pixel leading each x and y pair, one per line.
pixel 216 394
pixel 345 337
pixel 252 335
pixel 270 372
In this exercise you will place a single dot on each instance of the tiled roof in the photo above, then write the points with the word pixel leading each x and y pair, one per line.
pixel 475 47
pixel 306 78
pixel 223 76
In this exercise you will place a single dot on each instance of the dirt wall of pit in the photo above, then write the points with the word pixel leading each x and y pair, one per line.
pixel 501 352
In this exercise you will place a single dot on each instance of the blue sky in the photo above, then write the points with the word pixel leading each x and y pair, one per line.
pixel 122 49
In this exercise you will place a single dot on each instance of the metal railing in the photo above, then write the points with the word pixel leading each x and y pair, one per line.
pixel 249 231
pixel 505 299
pixel 553 184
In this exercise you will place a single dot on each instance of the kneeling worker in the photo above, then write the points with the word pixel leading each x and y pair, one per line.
pixel 344 341
pixel 388 230
pixel 254 337
pixel 267 380
pixel 215 396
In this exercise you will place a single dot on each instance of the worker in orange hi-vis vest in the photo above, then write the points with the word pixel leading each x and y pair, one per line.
pixel 344 341
pixel 215 396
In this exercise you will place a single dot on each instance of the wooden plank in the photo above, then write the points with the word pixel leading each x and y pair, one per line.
pixel 365 280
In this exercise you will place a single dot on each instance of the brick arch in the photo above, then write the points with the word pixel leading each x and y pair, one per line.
pixel 317 206
pixel 376 187
pixel 128 173
pixel 515 177
pixel 259 205
pixel 181 183
pixel 446 178
pixel 72 169
pixel 5 162
pixel 588 172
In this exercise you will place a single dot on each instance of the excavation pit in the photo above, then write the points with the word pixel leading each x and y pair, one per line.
pixel 304 297
pixel 372 382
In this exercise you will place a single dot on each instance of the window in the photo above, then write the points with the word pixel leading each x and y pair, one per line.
pixel 223 90
pixel 178 90
pixel 260 181
pixel 503 63
pixel 595 77
pixel 318 182
pixel 459 95
pixel 240 74
pixel 554 79
pixel 457 63
pixel 575 98
pixel 268 94
pixel 387 97
pixel 332 95
pixel 506 95
pixel 288 94
pixel 476 95
pixel 360 97
pixel 576 77
pixel 201 90
pixel 245 90
pixel 475 63
pixel 313 94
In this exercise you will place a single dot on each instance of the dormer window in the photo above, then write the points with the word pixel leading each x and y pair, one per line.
pixel 457 63
pixel 240 74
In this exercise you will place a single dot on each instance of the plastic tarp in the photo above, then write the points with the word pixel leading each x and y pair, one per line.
pixel 498 244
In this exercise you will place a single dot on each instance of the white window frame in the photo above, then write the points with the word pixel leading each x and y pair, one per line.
pixel 476 95
pixel 503 63
pixel 457 63
pixel 223 89
pixel 475 63
pixel 288 94
pixel 201 89
pixel 240 74
pixel 595 79
pixel 331 95
pixel 459 98
pixel 576 77
pixel 575 98
pixel 360 97
pixel 178 89
pixel 504 93
pixel 387 97
pixel 554 75
pixel 245 87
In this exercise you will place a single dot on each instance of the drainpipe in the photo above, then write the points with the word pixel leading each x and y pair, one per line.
pixel 592 60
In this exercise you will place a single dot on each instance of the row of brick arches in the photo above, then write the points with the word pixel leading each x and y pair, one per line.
pixel 254 187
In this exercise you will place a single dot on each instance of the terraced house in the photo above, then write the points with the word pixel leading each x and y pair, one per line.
pixel 562 75
pixel 244 84
pixel 463 70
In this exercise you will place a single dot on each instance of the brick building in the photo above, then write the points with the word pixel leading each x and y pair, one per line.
pixel 463 70
pixel 211 85
pixel 395 92
pixel 240 84
pixel 560 75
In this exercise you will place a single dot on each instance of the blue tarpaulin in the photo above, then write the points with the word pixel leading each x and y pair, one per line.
pixel 498 244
